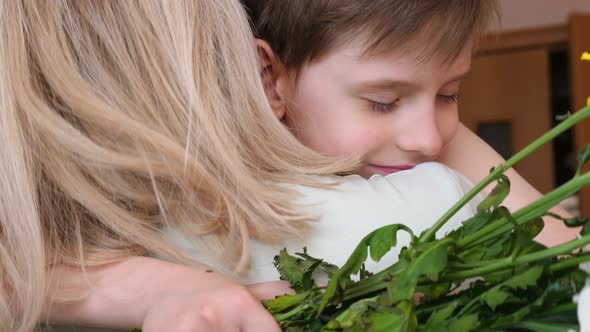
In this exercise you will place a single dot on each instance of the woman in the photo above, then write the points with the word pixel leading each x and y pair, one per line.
pixel 119 117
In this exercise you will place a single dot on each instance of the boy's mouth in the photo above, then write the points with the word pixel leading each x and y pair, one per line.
pixel 385 169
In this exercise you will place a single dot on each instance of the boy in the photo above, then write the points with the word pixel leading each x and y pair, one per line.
pixel 380 79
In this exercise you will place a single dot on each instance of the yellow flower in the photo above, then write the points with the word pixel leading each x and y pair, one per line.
pixel 586 56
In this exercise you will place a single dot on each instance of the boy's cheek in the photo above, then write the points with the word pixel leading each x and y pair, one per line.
pixel 340 142
pixel 448 125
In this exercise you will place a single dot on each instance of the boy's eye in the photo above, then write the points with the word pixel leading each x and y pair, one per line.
pixel 384 107
pixel 450 99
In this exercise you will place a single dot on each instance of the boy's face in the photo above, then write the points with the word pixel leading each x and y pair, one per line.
pixel 395 110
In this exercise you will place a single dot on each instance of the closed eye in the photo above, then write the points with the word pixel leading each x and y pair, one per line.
pixel 450 99
pixel 384 107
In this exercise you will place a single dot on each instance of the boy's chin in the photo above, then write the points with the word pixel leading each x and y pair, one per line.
pixel 367 172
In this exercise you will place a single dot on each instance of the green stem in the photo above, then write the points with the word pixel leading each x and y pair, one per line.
pixel 510 262
pixel 377 283
pixel 559 309
pixel 530 212
pixel 372 284
pixel 565 264
pixel 284 316
pixel 556 131
pixel 431 232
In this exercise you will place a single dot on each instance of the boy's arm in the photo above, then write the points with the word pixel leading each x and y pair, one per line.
pixel 470 155
pixel 156 295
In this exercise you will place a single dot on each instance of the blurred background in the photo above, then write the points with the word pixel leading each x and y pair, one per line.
pixel 526 72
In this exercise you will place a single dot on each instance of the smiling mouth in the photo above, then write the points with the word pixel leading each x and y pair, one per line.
pixel 384 170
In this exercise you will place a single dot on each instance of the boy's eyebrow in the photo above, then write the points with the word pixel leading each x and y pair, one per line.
pixel 459 77
pixel 387 84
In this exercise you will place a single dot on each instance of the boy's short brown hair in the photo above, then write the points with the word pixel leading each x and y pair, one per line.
pixel 300 31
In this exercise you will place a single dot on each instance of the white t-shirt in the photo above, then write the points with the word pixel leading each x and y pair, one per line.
pixel 354 208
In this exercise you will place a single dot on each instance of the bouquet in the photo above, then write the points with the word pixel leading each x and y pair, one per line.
pixel 487 275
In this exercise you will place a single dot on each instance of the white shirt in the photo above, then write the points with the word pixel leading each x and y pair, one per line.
pixel 354 208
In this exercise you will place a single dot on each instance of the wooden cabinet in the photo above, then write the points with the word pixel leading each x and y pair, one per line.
pixel 512 91
pixel 509 101
pixel 579 41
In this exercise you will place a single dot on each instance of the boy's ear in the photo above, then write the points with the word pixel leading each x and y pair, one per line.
pixel 274 78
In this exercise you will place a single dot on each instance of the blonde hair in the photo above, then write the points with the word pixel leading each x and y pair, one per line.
pixel 117 117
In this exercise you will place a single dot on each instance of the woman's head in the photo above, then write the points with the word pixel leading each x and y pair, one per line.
pixel 121 116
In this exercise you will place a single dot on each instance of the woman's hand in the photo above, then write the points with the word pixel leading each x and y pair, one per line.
pixel 270 290
pixel 215 304
pixel 156 296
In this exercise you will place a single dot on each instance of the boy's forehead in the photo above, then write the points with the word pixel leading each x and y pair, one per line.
pixel 350 66
pixel 415 53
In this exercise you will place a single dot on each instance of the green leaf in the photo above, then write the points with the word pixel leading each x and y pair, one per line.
pixel 299 270
pixel 377 238
pixel 522 242
pixel 381 242
pixel 493 248
pixel 550 296
pixel 443 320
pixel 291 269
pixel 525 279
pixel 432 259
pixel 576 222
pixel 533 227
pixel 437 319
pixel 353 316
pixel 387 322
pixel 434 291
pixel 369 315
pixel 284 302
pixel 402 318
pixel 465 323
pixel 569 222
pixel 500 293
pixel 325 267
pixel 497 196
pixel 307 280
pixel 430 263
pixel 473 224
pixel 495 297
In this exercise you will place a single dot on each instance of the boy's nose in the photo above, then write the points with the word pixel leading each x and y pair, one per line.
pixel 422 137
